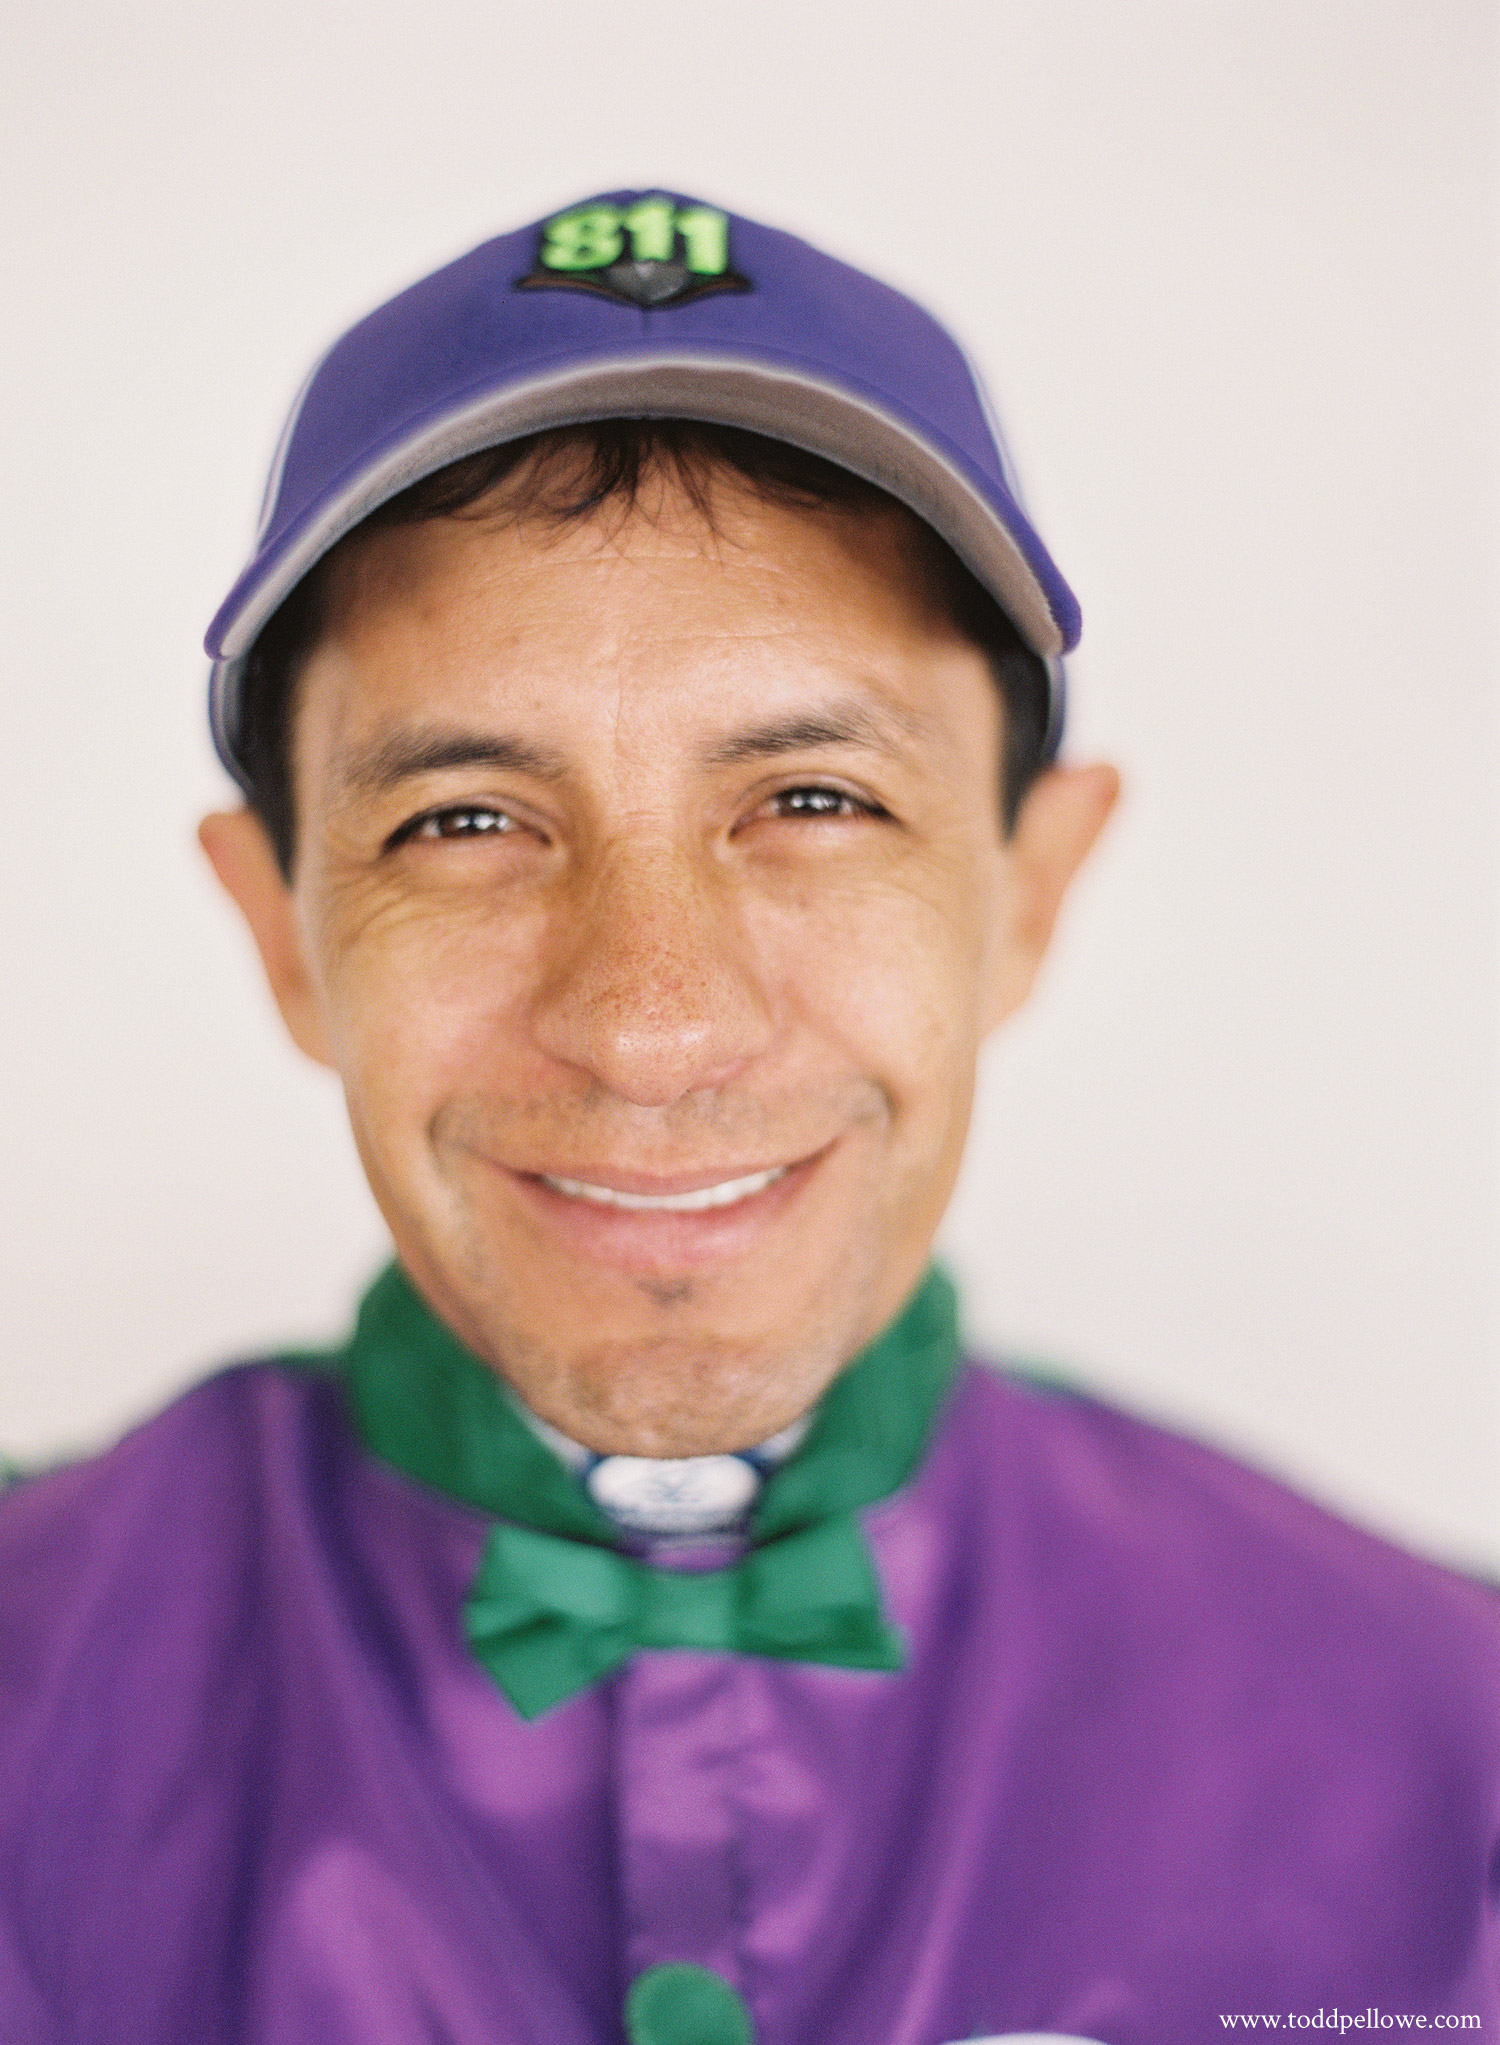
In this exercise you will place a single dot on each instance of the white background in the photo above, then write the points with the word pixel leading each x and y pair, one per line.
pixel 1232 273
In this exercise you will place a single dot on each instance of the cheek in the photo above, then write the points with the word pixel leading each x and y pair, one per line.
pixel 892 975
pixel 424 1001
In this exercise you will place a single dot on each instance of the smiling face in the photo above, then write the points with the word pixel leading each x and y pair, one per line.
pixel 652 904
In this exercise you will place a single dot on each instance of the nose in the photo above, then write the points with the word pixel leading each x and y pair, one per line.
pixel 651 989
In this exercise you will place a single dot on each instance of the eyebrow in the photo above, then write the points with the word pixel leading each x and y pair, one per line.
pixel 402 755
pixel 842 725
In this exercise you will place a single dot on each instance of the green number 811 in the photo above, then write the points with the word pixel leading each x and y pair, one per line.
pixel 593 237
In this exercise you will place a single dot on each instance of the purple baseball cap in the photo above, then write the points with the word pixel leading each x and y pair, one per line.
pixel 641 305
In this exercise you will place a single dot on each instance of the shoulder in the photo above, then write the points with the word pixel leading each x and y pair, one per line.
pixel 1189 1634
pixel 141 1594
pixel 206 1428
pixel 1140 1516
pixel 95 1551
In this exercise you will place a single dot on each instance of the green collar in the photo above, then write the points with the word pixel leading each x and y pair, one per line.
pixel 549 1612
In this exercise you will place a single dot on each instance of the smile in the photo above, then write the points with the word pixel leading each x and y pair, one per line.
pixel 725 1194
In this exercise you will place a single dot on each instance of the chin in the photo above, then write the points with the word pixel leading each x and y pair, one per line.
pixel 682 1365
pixel 680 1396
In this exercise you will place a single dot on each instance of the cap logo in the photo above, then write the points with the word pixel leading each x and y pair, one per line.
pixel 647 254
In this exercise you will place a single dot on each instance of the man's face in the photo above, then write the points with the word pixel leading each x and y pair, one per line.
pixel 652 904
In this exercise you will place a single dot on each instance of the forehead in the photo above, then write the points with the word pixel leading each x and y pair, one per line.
pixel 715 535
pixel 673 609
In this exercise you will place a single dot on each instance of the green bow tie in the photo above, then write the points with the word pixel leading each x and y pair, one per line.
pixel 547 1617
pixel 554 1606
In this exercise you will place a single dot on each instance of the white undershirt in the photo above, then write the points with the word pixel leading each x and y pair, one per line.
pixel 672 1498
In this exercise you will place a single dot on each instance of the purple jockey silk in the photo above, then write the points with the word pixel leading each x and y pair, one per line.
pixel 1170 1743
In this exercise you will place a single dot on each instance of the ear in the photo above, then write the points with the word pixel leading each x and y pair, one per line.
pixel 1063 814
pixel 240 852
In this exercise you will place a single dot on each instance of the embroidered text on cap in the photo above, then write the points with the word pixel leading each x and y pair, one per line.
pixel 650 253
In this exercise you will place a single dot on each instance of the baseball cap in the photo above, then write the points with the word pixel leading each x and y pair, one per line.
pixel 645 304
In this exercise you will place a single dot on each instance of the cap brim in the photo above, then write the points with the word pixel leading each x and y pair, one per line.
pixel 723 390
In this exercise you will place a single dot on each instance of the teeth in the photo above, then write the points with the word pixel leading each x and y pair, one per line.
pixel 723 1195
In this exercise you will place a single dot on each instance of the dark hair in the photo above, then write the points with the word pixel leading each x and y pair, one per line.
pixel 572 471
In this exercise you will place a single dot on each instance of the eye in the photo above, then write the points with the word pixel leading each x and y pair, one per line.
pixel 462 820
pixel 818 802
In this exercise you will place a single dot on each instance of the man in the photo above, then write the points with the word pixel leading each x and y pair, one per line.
pixel 644 689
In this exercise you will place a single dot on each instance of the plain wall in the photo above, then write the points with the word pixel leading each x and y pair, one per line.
pixel 1231 272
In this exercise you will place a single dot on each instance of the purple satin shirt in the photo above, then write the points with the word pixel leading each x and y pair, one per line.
pixel 1171 1744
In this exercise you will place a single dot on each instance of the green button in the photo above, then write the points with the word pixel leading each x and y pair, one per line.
pixel 684 2005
